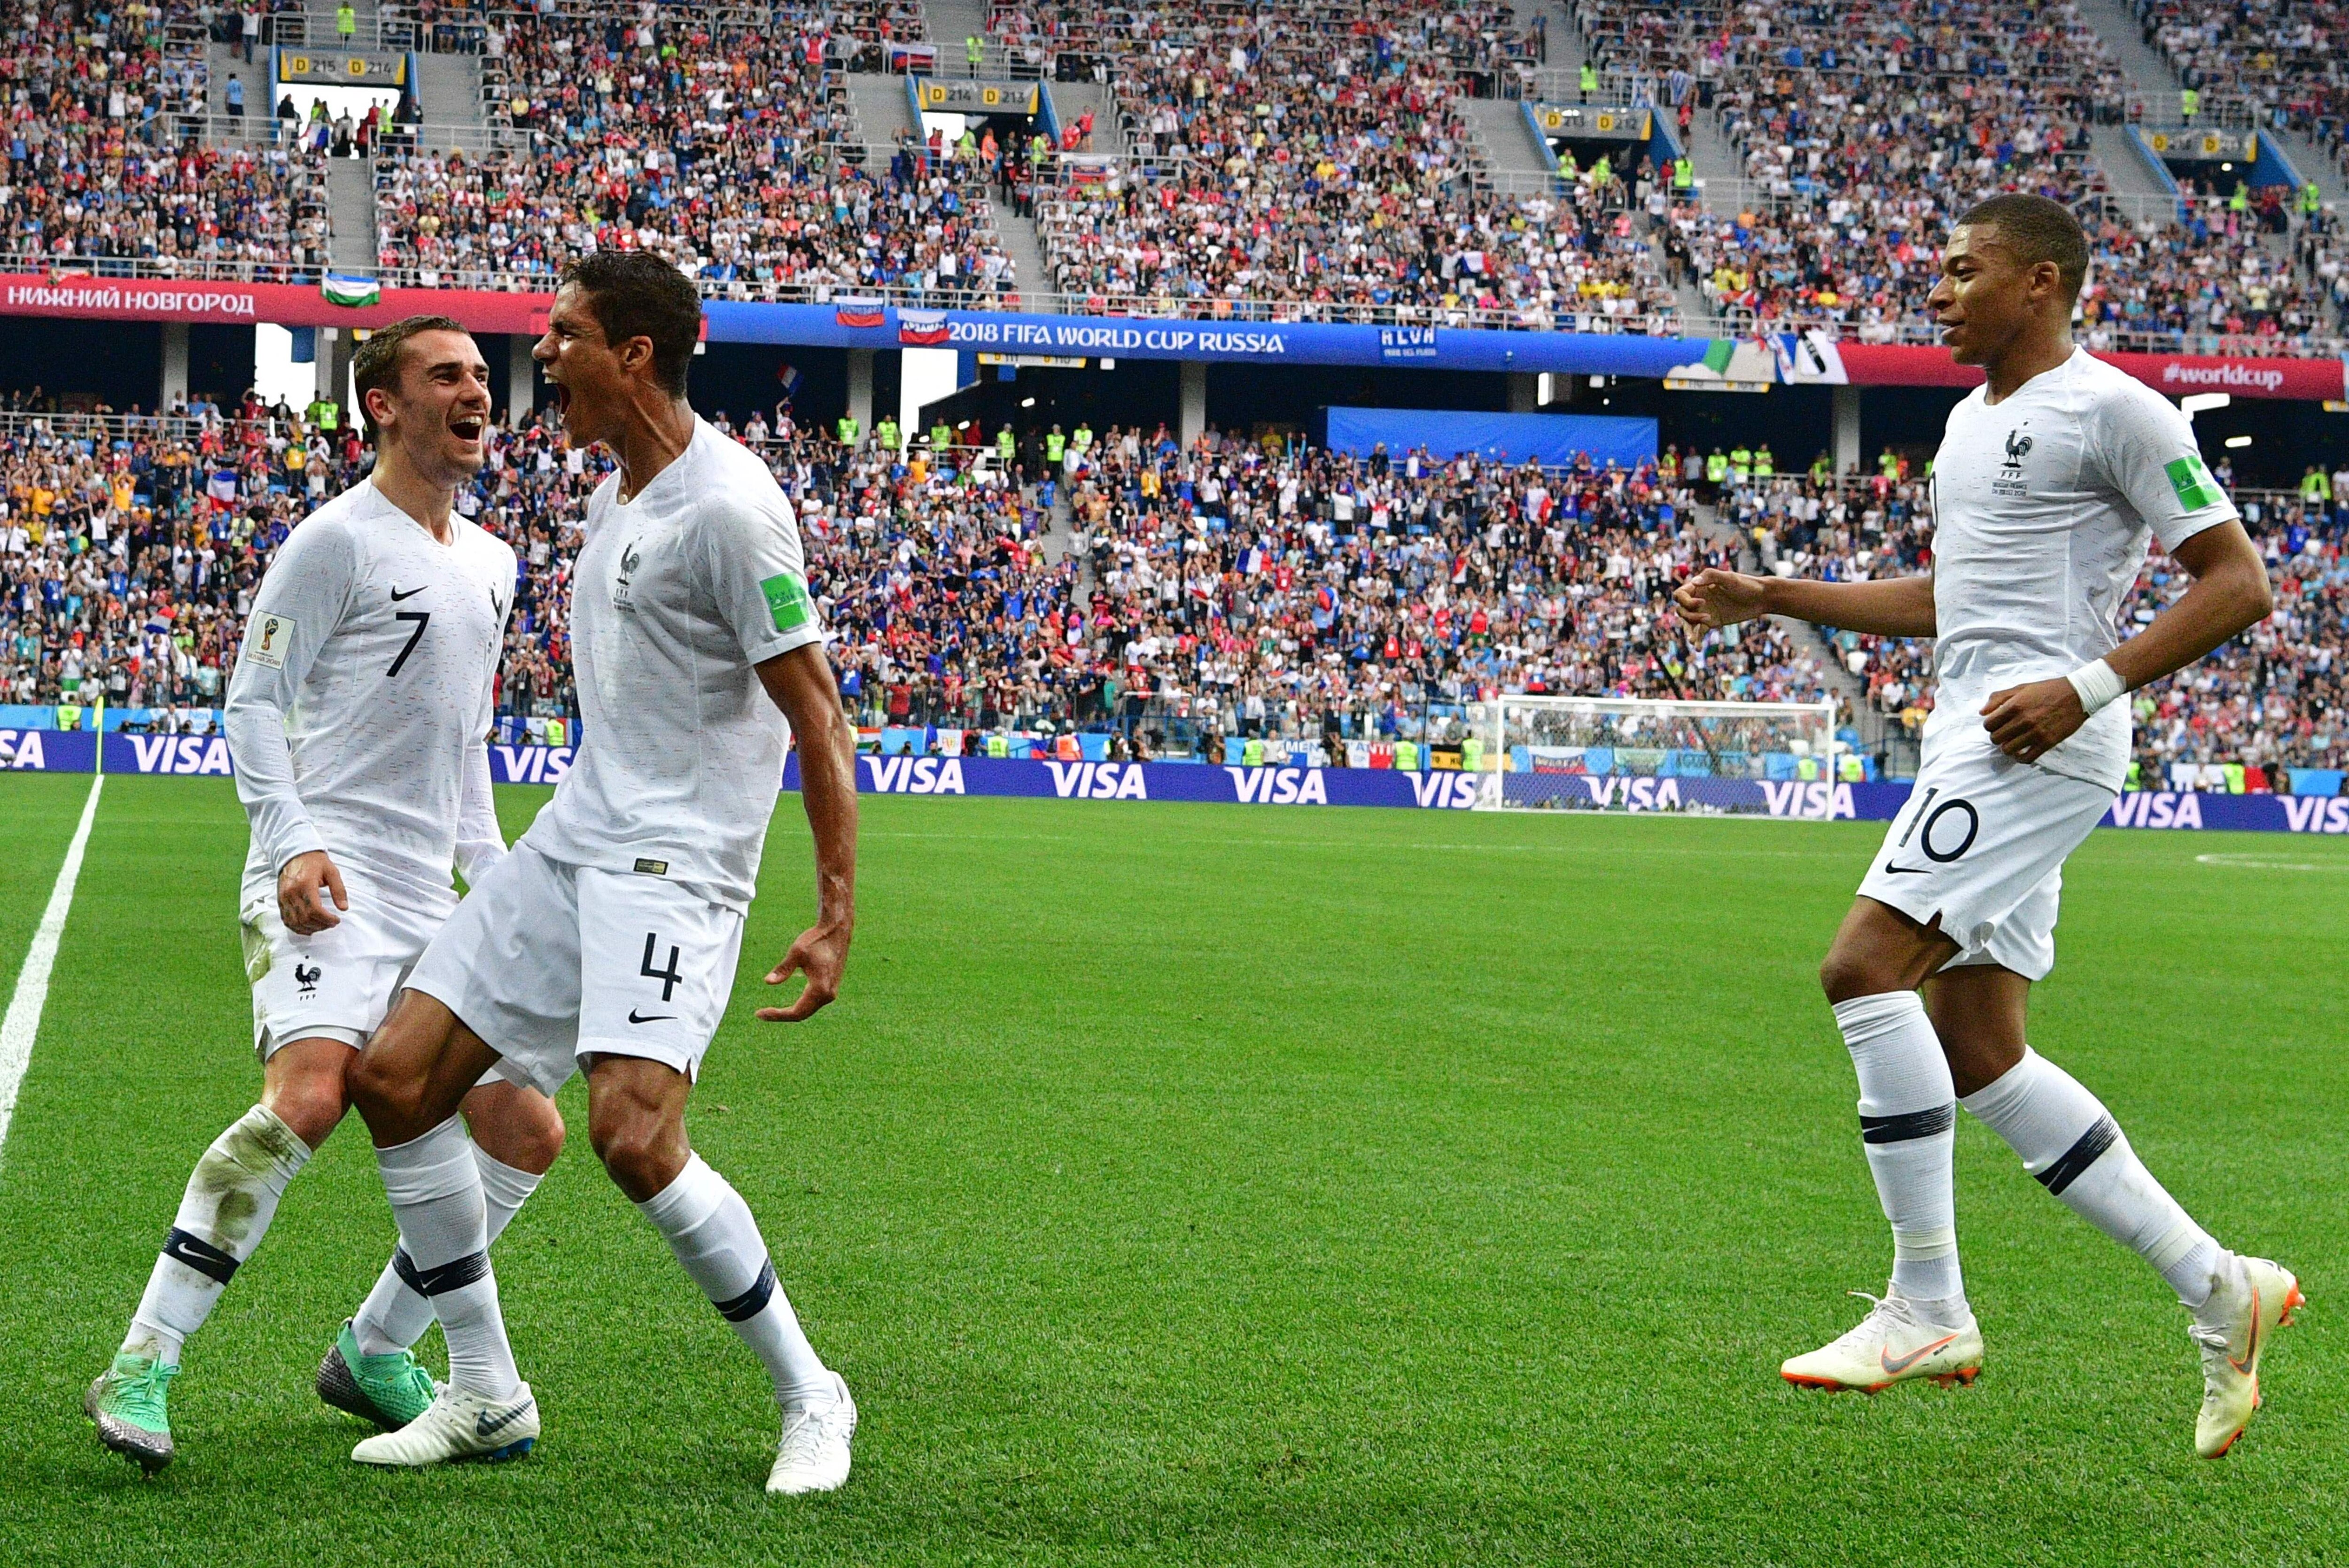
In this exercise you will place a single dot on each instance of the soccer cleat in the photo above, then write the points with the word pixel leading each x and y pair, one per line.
pixel 391 1390
pixel 1890 1346
pixel 458 1425
pixel 2248 1310
pixel 128 1402
pixel 813 1453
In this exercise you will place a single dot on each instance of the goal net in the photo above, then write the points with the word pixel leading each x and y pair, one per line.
pixel 1598 754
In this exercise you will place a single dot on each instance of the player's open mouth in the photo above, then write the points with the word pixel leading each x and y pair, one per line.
pixel 562 397
pixel 466 429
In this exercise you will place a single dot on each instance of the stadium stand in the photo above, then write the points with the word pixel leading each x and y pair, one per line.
pixel 1315 165
pixel 726 145
pixel 2278 698
pixel 1347 595
pixel 1230 589
pixel 1861 135
pixel 1310 164
pixel 97 178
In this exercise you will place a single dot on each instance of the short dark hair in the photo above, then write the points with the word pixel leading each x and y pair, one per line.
pixel 635 294
pixel 2037 230
pixel 377 362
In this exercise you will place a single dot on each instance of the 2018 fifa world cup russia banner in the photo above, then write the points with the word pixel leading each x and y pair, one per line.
pixel 200 756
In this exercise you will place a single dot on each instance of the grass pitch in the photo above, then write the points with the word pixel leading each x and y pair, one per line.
pixel 1217 1185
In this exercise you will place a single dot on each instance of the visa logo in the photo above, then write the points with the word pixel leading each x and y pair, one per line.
pixel 179 754
pixel 1097 781
pixel 916 775
pixel 1278 786
pixel 534 764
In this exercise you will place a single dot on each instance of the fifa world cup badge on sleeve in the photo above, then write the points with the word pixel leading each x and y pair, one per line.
pixel 2195 487
pixel 265 640
pixel 787 600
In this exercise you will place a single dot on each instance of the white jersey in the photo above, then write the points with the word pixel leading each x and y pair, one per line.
pixel 2041 507
pixel 675 596
pixel 358 716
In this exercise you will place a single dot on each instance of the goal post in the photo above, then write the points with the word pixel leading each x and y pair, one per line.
pixel 1633 754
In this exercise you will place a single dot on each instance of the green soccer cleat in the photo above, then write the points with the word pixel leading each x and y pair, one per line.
pixel 391 1390
pixel 128 1404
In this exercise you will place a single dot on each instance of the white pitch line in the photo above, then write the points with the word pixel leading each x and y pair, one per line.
pixel 24 1019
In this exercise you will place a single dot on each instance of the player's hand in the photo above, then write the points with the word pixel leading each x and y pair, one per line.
pixel 2028 721
pixel 1716 599
pixel 309 892
pixel 820 953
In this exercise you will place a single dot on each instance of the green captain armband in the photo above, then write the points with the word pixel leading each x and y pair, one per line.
pixel 787 601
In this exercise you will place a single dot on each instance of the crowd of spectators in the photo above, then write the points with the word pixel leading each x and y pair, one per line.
pixel 1291 167
pixel 726 146
pixel 2276 697
pixel 1237 588
pixel 805 222
pixel 97 179
pixel 1864 132
pixel 1271 589
pixel 131 547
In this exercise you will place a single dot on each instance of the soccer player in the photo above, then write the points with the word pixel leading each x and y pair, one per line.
pixel 2049 480
pixel 357 716
pixel 606 942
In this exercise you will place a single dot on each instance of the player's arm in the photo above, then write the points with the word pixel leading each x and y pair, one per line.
pixel 301 601
pixel 1893 607
pixel 801 683
pixel 2230 594
pixel 757 575
pixel 2147 451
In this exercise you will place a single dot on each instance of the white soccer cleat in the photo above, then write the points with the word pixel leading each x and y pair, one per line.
pixel 1890 1346
pixel 813 1453
pixel 2247 1306
pixel 458 1425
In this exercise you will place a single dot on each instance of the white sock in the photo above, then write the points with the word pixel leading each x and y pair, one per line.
pixel 1908 1121
pixel 394 1316
pixel 711 1230
pixel 435 1188
pixel 2070 1142
pixel 231 1196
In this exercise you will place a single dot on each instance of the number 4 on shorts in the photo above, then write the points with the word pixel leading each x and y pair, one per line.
pixel 669 979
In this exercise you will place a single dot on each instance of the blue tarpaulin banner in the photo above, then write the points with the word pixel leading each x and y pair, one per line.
pixel 1553 439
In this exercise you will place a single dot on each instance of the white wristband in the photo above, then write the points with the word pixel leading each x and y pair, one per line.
pixel 2097 684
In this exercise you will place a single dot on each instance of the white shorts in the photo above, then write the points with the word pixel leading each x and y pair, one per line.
pixel 1981 845
pixel 338 984
pixel 548 962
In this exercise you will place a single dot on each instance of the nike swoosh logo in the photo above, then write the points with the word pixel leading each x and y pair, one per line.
pixel 484 1427
pixel 1906 1362
pixel 1892 871
pixel 397 595
pixel 650 1018
pixel 2252 1346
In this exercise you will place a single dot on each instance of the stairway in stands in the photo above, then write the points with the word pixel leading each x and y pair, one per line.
pixel 2150 75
